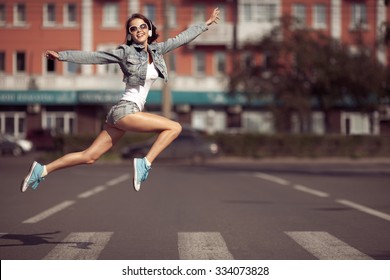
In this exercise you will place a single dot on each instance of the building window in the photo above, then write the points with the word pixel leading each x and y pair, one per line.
pixel 49 14
pixel 353 123
pixel 358 15
pixel 13 123
pixel 222 13
pixel 20 62
pixel 200 63
pixel 299 14
pixel 110 15
pixel 2 61
pixel 150 12
pixel 50 66
pixel 259 12
pixel 172 18
pixel 208 120
pixel 172 62
pixel 318 123
pixel 220 63
pixel 61 122
pixel 319 16
pixel 19 14
pixel 3 18
pixel 199 13
pixel 247 60
pixel 70 14
pixel 73 68
pixel 259 122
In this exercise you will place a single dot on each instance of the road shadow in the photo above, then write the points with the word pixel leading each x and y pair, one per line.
pixel 40 239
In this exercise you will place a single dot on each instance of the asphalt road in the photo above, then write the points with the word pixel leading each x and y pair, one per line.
pixel 283 210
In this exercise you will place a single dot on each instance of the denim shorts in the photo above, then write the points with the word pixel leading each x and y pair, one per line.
pixel 121 109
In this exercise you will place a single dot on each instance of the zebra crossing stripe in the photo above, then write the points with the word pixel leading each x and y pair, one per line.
pixel 325 246
pixel 80 246
pixel 202 246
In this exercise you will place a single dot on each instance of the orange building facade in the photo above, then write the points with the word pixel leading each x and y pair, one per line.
pixel 39 94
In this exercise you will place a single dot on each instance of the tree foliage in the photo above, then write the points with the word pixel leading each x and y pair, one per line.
pixel 303 70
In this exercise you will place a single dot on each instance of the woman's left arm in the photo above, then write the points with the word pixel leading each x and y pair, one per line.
pixel 188 35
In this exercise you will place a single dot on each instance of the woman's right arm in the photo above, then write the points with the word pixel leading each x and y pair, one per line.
pixel 85 57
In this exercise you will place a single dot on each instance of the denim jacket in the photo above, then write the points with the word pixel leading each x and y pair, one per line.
pixel 133 60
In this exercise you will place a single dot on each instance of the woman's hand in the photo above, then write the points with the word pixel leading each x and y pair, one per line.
pixel 52 55
pixel 214 17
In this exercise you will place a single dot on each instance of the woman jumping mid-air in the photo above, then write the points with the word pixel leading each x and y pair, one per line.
pixel 141 61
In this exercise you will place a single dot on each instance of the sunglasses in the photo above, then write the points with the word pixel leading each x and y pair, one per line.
pixel 135 28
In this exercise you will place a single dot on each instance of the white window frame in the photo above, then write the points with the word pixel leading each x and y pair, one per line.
pixel 209 120
pixel 263 12
pixel 3 14
pixel 359 15
pixel 299 14
pixel 67 117
pixel 67 14
pixel 17 116
pixel 67 65
pixel 200 62
pixel 220 57
pixel 49 16
pixel 320 12
pixel 3 61
pixel 20 19
pixel 199 12
pixel 15 66
pixel 259 122
pixel 110 17
pixel 172 63
pixel 172 16
pixel 150 12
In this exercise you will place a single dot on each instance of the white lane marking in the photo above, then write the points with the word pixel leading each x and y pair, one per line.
pixel 271 178
pixel 365 209
pixel 325 246
pixel 80 246
pixel 311 191
pixel 92 192
pixel 118 180
pixel 202 246
pixel 47 213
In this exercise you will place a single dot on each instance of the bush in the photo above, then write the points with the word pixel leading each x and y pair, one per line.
pixel 258 146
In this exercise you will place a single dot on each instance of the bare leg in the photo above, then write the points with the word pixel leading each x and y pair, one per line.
pixel 145 122
pixel 104 141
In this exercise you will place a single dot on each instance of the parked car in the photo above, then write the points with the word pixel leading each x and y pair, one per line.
pixel 26 145
pixel 190 145
pixel 9 147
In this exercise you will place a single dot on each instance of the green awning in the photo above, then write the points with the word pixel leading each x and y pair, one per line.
pixel 44 97
pixel 58 97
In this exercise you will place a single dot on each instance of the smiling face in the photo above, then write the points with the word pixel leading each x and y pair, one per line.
pixel 139 31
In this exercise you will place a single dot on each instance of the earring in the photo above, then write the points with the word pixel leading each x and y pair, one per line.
pixel 128 37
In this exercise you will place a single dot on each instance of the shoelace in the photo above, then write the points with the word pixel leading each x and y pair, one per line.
pixel 145 173
pixel 36 183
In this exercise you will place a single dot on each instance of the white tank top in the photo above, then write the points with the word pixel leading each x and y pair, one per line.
pixel 138 94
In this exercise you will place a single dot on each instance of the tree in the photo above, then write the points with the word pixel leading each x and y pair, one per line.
pixel 302 70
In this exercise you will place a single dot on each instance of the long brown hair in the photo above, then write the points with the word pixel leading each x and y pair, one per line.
pixel 150 26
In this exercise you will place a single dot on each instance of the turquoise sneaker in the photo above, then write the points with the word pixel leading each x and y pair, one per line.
pixel 33 178
pixel 141 171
